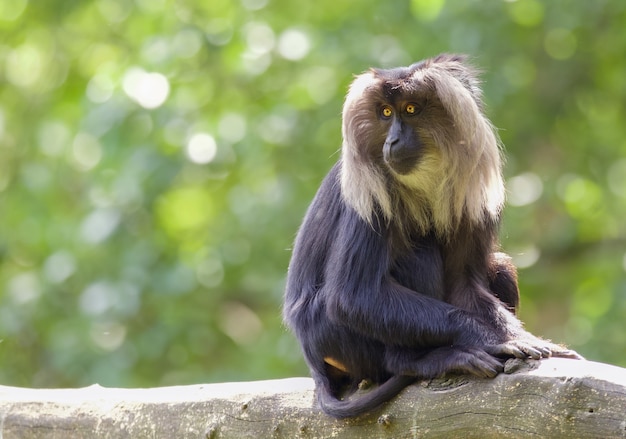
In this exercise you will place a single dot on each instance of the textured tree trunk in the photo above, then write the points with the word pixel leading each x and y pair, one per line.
pixel 550 398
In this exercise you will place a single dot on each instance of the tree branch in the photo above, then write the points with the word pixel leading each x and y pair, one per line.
pixel 549 398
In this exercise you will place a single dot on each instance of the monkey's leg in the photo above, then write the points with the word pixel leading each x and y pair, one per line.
pixel 503 280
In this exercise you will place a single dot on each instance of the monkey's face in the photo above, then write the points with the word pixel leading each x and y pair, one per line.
pixel 396 120
pixel 418 134
pixel 402 147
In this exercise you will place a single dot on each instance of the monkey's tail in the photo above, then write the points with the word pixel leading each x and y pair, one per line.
pixel 365 403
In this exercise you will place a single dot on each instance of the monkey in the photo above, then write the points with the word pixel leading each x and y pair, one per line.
pixel 396 273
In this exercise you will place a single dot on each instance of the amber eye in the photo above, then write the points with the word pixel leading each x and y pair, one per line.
pixel 410 109
pixel 386 111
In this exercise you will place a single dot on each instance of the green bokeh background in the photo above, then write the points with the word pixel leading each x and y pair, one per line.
pixel 157 156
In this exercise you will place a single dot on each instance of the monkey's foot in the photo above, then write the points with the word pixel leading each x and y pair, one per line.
pixel 455 360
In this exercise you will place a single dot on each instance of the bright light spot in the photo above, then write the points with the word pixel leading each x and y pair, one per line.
pixel 108 336
pixel 99 225
pixel 468 39
pixel 259 37
pixel 102 296
pixel 427 10
pixel 177 280
pixel 563 182
pixel 11 10
pixel 241 201
pixel 527 13
pixel 219 31
pixel 582 197
pixel 156 50
pixel 36 176
pixel 186 43
pixel 101 197
pixel 519 71
pixel 23 65
pixel 127 191
pixel 254 5
pixel 53 138
pixel 100 89
pixel 201 148
pixel 526 257
pixel 524 189
pixel 150 90
pixel 59 266
pixel 86 151
pixel 24 288
pixel 275 129
pixel 389 52
pixel 114 11
pixel 184 209
pixel 97 298
pixel 560 44
pixel 210 272
pixel 255 63
pixel 151 6
pixel 592 298
pixel 617 178
pixel 321 84
pixel 236 251
pixel 294 44
pixel 2 123
pixel 580 329
pixel 232 127
pixel 239 323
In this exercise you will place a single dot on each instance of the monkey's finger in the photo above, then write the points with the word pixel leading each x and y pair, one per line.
pixel 556 350
pixel 534 353
pixel 515 349
pixel 568 353
pixel 505 350
pixel 545 351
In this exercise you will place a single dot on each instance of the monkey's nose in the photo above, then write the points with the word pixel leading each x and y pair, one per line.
pixel 389 148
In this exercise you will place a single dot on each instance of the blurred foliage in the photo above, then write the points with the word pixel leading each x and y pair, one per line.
pixel 157 156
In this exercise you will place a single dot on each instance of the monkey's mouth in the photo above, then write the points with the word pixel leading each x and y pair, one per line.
pixel 401 162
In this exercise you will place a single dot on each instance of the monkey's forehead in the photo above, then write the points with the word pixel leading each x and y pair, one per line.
pixel 390 84
pixel 443 60
pixel 397 74
pixel 418 80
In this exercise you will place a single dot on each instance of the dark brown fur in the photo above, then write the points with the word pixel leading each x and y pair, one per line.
pixel 395 273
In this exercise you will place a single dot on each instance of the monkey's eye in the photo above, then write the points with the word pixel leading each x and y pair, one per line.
pixel 411 109
pixel 386 112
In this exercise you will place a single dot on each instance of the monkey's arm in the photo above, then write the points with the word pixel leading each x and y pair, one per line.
pixel 343 264
pixel 360 292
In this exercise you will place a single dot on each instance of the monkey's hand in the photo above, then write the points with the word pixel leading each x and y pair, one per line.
pixel 531 347
pixel 474 361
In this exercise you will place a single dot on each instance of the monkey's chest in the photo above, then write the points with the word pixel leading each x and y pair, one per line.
pixel 421 271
